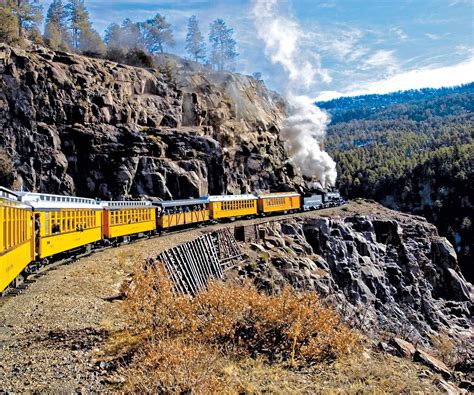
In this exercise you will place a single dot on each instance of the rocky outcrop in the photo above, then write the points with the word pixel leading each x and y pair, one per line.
pixel 384 273
pixel 77 125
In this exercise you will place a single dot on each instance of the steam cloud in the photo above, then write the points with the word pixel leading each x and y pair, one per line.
pixel 305 127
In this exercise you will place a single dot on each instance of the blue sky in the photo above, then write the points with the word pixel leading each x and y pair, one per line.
pixel 354 46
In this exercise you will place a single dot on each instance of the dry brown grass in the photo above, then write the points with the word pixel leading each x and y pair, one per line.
pixel 232 339
pixel 177 343
pixel 451 350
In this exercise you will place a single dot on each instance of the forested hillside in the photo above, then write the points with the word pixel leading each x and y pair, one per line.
pixel 412 151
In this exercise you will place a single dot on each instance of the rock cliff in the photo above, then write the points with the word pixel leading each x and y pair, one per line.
pixel 384 271
pixel 77 125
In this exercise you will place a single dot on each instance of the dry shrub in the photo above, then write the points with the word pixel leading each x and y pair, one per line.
pixel 451 350
pixel 178 341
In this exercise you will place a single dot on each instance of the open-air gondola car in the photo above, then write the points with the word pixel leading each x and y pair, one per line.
pixel 174 213
pixel 16 237
pixel 278 202
pixel 232 206
pixel 125 218
pixel 63 223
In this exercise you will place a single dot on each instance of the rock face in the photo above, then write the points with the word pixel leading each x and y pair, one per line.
pixel 77 125
pixel 383 273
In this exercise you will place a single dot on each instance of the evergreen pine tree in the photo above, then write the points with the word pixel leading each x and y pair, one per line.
pixel 195 46
pixel 84 38
pixel 223 45
pixel 27 14
pixel 78 20
pixel 56 33
pixel 133 35
pixel 113 36
pixel 157 33
pixel 9 30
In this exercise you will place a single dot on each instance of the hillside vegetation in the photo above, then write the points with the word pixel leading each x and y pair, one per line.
pixel 412 151
pixel 233 339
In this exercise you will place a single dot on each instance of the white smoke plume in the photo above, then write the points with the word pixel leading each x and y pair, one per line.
pixel 305 127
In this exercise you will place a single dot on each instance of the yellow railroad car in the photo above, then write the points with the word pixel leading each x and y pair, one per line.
pixel 124 218
pixel 273 202
pixel 182 212
pixel 16 237
pixel 63 223
pixel 232 206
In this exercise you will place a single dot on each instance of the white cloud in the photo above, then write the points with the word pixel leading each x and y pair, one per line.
pixel 381 59
pixel 433 36
pixel 458 74
pixel 457 2
pixel 402 36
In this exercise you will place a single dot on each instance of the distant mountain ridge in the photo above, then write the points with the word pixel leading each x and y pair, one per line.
pixel 412 151
pixel 413 104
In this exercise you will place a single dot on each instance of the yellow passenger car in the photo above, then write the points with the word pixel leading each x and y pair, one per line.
pixel 274 202
pixel 63 223
pixel 182 212
pixel 124 218
pixel 16 238
pixel 232 206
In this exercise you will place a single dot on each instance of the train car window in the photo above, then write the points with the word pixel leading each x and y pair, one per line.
pixel 5 234
pixel 7 230
pixel 2 230
pixel 9 227
pixel 12 224
pixel 15 227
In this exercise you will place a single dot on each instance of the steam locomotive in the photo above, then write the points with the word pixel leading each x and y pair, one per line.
pixel 37 228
